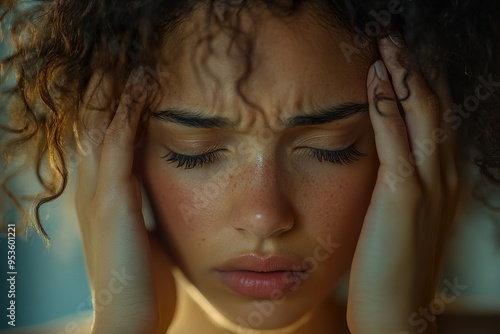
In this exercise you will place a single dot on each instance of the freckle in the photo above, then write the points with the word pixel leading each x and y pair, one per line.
pixel 203 239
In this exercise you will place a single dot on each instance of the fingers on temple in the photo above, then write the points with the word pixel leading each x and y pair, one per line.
pixel 119 140
pixel 94 116
pixel 421 114
pixel 391 137
pixel 105 138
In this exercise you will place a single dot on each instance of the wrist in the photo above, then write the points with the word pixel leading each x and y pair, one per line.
pixel 396 327
pixel 111 327
pixel 138 323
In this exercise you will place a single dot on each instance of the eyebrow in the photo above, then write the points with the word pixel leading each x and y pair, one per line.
pixel 195 119
pixel 192 119
pixel 327 115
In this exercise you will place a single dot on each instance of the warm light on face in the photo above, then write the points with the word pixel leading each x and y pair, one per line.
pixel 281 182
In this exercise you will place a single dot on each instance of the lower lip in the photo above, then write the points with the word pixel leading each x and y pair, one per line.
pixel 266 285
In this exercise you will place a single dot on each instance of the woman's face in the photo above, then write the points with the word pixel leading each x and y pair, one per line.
pixel 260 173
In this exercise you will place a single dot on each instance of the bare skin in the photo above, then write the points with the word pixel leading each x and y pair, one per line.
pixel 390 232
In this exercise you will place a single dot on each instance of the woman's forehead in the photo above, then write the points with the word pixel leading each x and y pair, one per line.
pixel 280 64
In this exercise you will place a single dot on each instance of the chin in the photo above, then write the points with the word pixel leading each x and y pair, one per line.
pixel 233 311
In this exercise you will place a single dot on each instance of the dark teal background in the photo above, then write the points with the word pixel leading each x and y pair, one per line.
pixel 44 289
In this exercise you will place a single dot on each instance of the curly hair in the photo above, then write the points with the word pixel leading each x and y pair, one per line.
pixel 58 45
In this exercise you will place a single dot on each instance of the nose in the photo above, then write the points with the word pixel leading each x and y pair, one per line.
pixel 263 208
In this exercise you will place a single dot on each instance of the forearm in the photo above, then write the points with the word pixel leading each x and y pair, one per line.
pixel 136 326
pixel 127 320
pixel 395 329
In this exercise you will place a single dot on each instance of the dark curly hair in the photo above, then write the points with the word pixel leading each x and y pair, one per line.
pixel 58 44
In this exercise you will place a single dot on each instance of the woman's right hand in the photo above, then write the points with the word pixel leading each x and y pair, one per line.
pixel 117 248
pixel 396 264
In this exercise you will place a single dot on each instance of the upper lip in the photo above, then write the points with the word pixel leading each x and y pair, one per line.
pixel 263 263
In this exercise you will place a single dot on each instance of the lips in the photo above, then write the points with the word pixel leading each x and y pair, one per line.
pixel 263 277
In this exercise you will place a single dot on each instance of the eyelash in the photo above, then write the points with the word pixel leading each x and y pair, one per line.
pixel 191 161
pixel 346 156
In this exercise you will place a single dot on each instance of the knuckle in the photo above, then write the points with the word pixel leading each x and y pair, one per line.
pixel 94 137
pixel 395 125
pixel 431 105
pixel 112 136
pixel 115 136
pixel 428 102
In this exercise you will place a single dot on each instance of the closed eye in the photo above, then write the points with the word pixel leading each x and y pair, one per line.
pixel 191 161
pixel 345 156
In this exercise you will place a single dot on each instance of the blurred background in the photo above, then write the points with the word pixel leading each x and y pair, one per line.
pixel 50 283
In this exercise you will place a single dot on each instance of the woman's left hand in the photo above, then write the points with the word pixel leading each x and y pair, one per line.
pixel 396 263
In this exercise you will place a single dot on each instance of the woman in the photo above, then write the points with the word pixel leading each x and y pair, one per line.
pixel 280 143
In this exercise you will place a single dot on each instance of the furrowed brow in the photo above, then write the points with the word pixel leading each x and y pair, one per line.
pixel 195 119
pixel 327 115
pixel 192 119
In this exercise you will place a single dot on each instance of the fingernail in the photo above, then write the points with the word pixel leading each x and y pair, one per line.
pixel 381 70
pixel 397 39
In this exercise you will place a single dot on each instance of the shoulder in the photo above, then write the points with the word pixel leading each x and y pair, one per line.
pixel 79 324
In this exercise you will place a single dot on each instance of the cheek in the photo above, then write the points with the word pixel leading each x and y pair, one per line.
pixel 184 215
pixel 186 210
pixel 336 205
pixel 334 208
pixel 178 205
